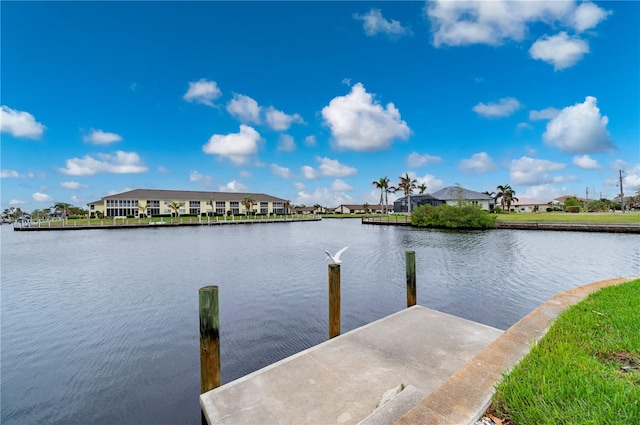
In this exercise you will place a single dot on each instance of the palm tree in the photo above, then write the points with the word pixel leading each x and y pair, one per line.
pixel 407 184
pixel 212 205
pixel 365 207
pixel 248 202
pixel 317 208
pixel 143 208
pixel 380 184
pixel 175 206
pixel 506 195
pixel 287 205
pixel 62 208
pixel 422 187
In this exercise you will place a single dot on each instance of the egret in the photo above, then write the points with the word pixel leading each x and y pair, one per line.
pixel 335 259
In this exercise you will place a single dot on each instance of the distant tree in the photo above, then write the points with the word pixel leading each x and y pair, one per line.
pixel 422 188
pixel 506 195
pixel 62 208
pixel 407 184
pixel 287 206
pixel 175 206
pixel 365 207
pixel 143 208
pixel 248 202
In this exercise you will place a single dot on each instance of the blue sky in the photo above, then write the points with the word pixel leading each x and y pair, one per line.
pixel 312 101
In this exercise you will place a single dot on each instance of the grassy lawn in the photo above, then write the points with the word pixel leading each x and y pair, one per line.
pixel 585 370
pixel 627 217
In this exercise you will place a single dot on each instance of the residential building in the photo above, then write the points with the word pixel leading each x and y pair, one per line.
pixel 361 208
pixel 401 204
pixel 452 195
pixel 153 202
pixel 528 205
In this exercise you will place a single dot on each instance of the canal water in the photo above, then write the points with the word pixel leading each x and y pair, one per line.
pixel 101 326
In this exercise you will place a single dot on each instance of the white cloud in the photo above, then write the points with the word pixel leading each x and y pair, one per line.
pixel 333 168
pixel 505 107
pixel 544 114
pixel 433 184
pixel 234 186
pixel 530 171
pixel 561 50
pixel 299 186
pixel 9 174
pixel 119 163
pixel 310 141
pixel 415 159
pixel 524 126
pixel 202 91
pixel 238 147
pixel 244 109
pixel 340 186
pixel 286 143
pixel 73 185
pixel 163 170
pixel 280 121
pixel 588 15
pixel 281 171
pixel 543 192
pixel 196 177
pixel 77 200
pixel 42 197
pixel 457 23
pixel 99 137
pixel 19 123
pixel 324 197
pixel 17 202
pixel 579 129
pixel 308 172
pixel 373 23
pixel 479 163
pixel 359 123
pixel 586 162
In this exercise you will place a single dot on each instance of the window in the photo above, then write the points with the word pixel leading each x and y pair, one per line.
pixel 220 204
pixel 235 207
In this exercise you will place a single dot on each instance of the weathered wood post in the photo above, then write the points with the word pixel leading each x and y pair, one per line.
pixel 334 300
pixel 410 257
pixel 209 338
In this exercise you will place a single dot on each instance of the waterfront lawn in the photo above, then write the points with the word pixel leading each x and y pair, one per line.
pixel 585 370
pixel 627 217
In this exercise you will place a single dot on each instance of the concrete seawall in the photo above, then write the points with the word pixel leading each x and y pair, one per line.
pixel 573 227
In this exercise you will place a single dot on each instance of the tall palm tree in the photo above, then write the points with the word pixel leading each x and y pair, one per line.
pixel 175 206
pixel 287 205
pixel 422 187
pixel 143 208
pixel 213 209
pixel 379 184
pixel 248 202
pixel 407 184
pixel 506 195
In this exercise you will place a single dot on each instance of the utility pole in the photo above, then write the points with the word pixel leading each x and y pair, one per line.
pixel 621 193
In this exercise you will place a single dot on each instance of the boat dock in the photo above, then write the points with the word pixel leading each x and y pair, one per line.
pixel 448 366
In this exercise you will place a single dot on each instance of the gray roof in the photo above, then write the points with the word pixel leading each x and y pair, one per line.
pixel 453 193
pixel 416 198
pixel 191 195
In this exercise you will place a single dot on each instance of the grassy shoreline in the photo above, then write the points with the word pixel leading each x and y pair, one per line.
pixel 558 217
pixel 586 369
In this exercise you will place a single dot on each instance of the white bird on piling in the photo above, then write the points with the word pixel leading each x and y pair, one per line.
pixel 335 259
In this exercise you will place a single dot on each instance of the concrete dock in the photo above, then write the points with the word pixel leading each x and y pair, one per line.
pixel 342 380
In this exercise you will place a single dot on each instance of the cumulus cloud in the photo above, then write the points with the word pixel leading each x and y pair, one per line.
pixel 479 163
pixel 99 137
pixel 244 108
pixel 505 107
pixel 333 168
pixel 19 123
pixel 359 123
pixel 524 126
pixel 73 185
pixel 373 23
pixel 238 147
pixel 309 172
pixel 561 50
pixel 588 15
pixel 579 129
pixel 544 192
pixel 42 197
pixel 340 186
pixel 324 197
pixel 196 177
pixel 586 162
pixel 544 114
pixel 457 23
pixel 281 171
pixel 281 121
pixel 530 171
pixel 286 143
pixel 17 202
pixel 310 141
pixel 415 159
pixel 433 184
pixel 234 186
pixel 119 163
pixel 202 91
pixel 9 174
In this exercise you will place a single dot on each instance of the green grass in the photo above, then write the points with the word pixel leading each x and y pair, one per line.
pixel 576 373
pixel 628 217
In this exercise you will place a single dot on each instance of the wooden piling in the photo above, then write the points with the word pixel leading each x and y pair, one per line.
pixel 411 278
pixel 209 338
pixel 334 300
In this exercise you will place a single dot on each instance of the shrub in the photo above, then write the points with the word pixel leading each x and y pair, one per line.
pixel 497 209
pixel 449 217
pixel 572 209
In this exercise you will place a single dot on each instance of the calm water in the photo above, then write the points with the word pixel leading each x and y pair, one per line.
pixel 101 326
